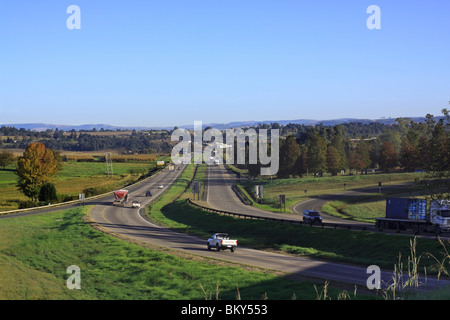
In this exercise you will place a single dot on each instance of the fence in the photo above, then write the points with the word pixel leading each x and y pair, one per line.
pixel 300 222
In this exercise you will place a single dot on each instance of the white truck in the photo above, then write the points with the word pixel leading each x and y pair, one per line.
pixel 221 241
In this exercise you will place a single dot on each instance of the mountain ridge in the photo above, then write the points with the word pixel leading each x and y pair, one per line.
pixel 234 124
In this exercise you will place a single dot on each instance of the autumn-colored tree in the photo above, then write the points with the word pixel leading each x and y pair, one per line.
pixel 409 156
pixel 388 157
pixel 356 162
pixel 36 166
pixel 365 149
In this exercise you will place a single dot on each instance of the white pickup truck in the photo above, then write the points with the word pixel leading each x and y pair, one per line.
pixel 221 241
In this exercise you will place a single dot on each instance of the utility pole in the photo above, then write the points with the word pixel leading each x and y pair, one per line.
pixel 108 164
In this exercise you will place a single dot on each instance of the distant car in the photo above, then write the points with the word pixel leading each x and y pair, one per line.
pixel 135 204
pixel 311 216
pixel 148 193
pixel 160 186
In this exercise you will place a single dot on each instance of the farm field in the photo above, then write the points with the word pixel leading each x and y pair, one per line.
pixel 81 171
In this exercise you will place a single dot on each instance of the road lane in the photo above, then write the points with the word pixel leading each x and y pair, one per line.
pixel 129 222
pixel 222 197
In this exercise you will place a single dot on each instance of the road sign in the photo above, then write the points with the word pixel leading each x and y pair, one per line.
pixel 283 201
pixel 258 191
pixel 196 187
pixel 81 197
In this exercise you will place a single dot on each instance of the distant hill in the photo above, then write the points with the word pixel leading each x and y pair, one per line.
pixel 44 126
pixel 236 124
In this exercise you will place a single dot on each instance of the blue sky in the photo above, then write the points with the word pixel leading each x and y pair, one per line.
pixel 164 63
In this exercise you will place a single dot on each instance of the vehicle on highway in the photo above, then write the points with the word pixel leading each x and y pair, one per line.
pixel 221 241
pixel 148 193
pixel 135 204
pixel 120 197
pixel 311 216
pixel 418 215
pixel 160 186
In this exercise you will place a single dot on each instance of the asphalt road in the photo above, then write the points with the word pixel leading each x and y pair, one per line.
pixel 222 197
pixel 128 222
pixel 317 202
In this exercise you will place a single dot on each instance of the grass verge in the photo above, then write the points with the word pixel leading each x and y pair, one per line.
pixel 298 189
pixel 35 252
pixel 355 247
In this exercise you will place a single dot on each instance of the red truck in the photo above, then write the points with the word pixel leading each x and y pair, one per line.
pixel 120 197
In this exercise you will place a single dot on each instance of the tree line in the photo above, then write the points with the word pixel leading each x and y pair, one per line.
pixel 405 145
pixel 137 142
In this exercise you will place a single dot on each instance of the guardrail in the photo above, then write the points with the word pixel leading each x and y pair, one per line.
pixel 253 217
pixel 68 203
pixel 300 222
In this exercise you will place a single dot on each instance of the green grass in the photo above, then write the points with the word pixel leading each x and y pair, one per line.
pixel 294 188
pixel 35 252
pixel 355 247
pixel 365 208
pixel 368 206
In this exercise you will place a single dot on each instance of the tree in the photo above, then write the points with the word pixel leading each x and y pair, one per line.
pixel 301 165
pixel 47 193
pixel 289 153
pixel 440 148
pixel 36 166
pixel 364 149
pixel 388 157
pixel 6 158
pixel 409 156
pixel 392 136
pixel 333 160
pixel 254 169
pixel 356 162
pixel 316 156
pixel 338 142
pixel 437 180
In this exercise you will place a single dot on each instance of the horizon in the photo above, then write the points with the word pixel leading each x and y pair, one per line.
pixel 283 122
pixel 152 64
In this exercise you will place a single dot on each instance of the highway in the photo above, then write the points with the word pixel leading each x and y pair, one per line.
pixel 222 197
pixel 131 223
